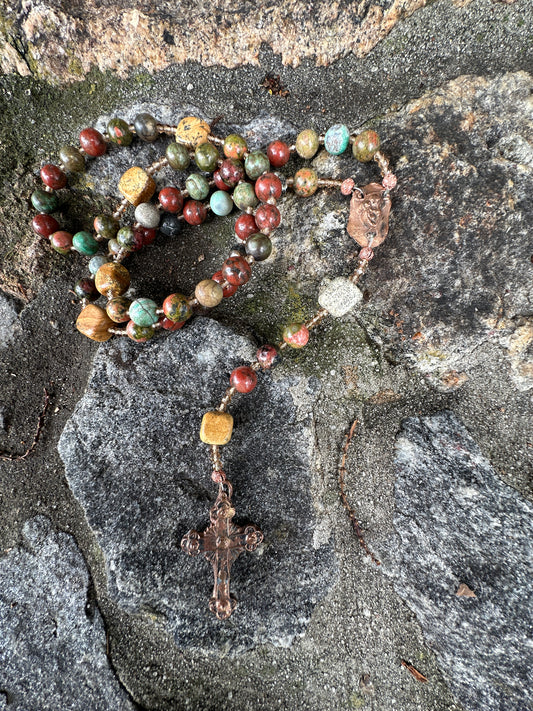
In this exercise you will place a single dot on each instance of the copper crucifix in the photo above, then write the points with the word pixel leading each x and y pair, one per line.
pixel 221 543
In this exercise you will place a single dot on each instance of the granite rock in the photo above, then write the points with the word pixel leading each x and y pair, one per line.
pixel 53 644
pixel 9 322
pixel 458 523
pixel 134 460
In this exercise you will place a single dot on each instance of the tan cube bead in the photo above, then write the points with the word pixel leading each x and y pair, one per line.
pixel 216 427
pixel 192 131
pixel 136 186
pixel 94 323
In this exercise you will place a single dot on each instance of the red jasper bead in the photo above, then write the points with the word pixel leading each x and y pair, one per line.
pixel 267 355
pixel 243 379
pixel 148 235
pixel 245 226
pixel 171 200
pixel 236 270
pixel 267 217
pixel 170 325
pixel 278 153
pixel 221 185
pixel 268 186
pixel 194 212
pixel 53 176
pixel 44 225
pixel 92 142
pixel 231 171
pixel 227 290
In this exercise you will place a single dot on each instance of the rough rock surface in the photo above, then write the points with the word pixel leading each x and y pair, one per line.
pixel 457 523
pixel 53 643
pixel 9 324
pixel 134 460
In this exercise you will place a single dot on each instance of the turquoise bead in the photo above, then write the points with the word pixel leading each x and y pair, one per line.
pixel 143 312
pixel 84 243
pixel 221 203
pixel 197 186
pixel 337 139
pixel 96 262
pixel 43 201
pixel 244 196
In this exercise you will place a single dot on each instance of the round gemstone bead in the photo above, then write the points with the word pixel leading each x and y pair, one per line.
pixel 307 143
pixel 117 309
pixel 217 179
pixel 194 212
pixel 85 289
pixel 96 262
pixel 112 279
pixel 197 186
pixel 171 200
pixel 259 246
pixel 106 226
pixel 347 186
pixel 231 171
pixel 72 159
pixel 365 145
pixel 256 164
pixel 236 270
pixel 337 139
pixel 209 293
pixel 169 325
pixel 178 156
pixel 170 225
pixel 305 182
pixel 126 238
pixel 61 241
pixel 143 312
pixel 44 224
pixel 84 243
pixel 147 215
pixel 267 355
pixel 206 157
pixel 296 335
pixel 193 131
pixel 243 379
pixel 92 142
pixel 146 127
pixel 267 217
pixel 244 196
pixel 227 290
pixel 221 203
pixel 366 253
pixel 139 334
pixel 235 146
pixel 245 226
pixel 148 235
pixel 278 153
pixel 268 186
pixel 119 132
pixel 53 177
pixel 43 201
pixel 177 308
pixel 113 246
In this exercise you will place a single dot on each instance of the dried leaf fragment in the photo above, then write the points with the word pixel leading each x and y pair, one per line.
pixel 417 675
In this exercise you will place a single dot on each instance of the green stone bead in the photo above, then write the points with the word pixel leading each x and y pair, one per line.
pixel 256 164
pixel 118 309
pixel 119 132
pixel 43 201
pixel 84 243
pixel 244 196
pixel 143 312
pixel 197 186
pixel 259 246
pixel 337 139
pixel 221 203
pixel 305 182
pixel 206 157
pixel 178 156
pixel 96 262
pixel 126 238
pixel 72 159
pixel 365 146
pixel 139 334
pixel 177 308
pixel 106 226
pixel 234 146
pixel 307 143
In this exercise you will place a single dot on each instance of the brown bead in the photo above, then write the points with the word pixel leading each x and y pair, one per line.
pixel 92 142
pixel 94 323
pixel 53 176
pixel 112 279
pixel 192 131
pixel 136 186
pixel 209 293
pixel 216 427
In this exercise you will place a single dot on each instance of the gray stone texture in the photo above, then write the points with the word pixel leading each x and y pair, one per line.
pixel 9 323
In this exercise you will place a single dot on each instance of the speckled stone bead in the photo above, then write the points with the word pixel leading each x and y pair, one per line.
pixel 143 312
pixel 231 171
pixel 256 164
pixel 220 184
pixel 305 182
pixel 296 335
pixel 171 200
pixel 85 289
pixel 139 334
pixel 169 325
pixel 43 201
pixel 146 127
pixel 206 157
pixel 96 262
pixel 227 290
pixel 209 293
pixel 267 217
pixel 119 132
pixel 170 225
pixel 136 185
pixel 72 159
pixel 278 153
pixel 197 186
pixel 194 212
pixel 177 307
pixel 365 146
pixel 259 246
pixel 126 238
pixel 92 142
pixel 221 203
pixel 84 243
pixel 267 356
pixel 148 235
pixel 235 146
pixel 244 196
pixel 113 246
pixel 94 323
pixel 216 428
pixel 243 379
pixel 192 131
pixel 307 143
pixel 178 156
pixel 339 296
pixel 112 279
pixel 268 186
pixel 236 270
pixel 105 226
pixel 53 176
pixel 117 309
pixel 147 215
pixel 245 226
pixel 44 224
pixel 337 139
pixel 61 241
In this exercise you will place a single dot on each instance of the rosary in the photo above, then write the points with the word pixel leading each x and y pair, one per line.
pixel 243 179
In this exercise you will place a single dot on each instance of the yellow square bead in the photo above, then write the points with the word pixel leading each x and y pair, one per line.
pixel 136 186
pixel 216 427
